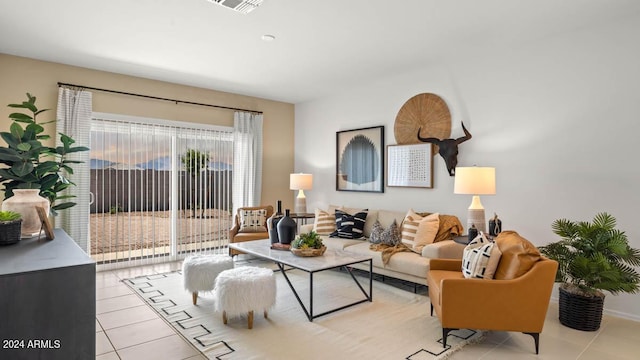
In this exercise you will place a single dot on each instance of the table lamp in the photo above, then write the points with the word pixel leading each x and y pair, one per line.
pixel 300 182
pixel 475 181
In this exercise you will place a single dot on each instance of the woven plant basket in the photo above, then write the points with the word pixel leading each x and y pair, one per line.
pixel 308 252
pixel 580 312
pixel 10 232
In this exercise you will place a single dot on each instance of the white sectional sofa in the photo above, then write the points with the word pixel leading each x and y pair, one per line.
pixel 410 266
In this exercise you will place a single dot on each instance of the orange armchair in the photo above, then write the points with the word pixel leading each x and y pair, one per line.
pixel 238 234
pixel 518 304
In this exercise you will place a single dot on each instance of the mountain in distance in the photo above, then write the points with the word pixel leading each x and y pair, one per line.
pixel 100 164
pixel 159 164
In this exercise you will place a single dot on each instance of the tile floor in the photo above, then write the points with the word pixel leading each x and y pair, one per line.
pixel 127 329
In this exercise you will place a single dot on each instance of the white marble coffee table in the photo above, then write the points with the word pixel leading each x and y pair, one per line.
pixel 330 260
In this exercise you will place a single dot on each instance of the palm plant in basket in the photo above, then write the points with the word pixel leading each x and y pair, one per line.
pixel 592 257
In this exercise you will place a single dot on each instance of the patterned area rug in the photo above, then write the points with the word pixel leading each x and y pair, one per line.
pixel 396 325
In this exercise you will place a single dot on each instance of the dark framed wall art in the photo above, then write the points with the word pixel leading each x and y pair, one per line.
pixel 360 159
pixel 410 165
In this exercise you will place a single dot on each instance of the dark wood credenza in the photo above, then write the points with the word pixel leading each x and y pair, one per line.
pixel 47 300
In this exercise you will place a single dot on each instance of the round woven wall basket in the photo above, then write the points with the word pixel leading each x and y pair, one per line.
pixel 580 312
pixel 427 112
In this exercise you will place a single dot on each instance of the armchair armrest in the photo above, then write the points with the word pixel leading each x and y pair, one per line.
pixel 233 232
pixel 447 249
pixel 445 264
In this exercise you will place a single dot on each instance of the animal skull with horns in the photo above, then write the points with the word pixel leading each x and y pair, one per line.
pixel 448 148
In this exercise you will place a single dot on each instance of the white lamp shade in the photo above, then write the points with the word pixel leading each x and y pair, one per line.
pixel 475 180
pixel 300 181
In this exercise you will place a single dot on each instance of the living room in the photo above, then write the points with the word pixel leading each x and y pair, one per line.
pixel 554 113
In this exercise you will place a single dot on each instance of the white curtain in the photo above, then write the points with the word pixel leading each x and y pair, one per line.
pixel 74 119
pixel 247 159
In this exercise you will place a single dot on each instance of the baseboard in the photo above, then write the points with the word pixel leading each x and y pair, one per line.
pixel 609 312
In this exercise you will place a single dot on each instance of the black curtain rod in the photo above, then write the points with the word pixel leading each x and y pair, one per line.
pixel 60 84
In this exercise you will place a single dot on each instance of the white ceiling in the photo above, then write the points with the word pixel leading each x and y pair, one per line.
pixel 321 46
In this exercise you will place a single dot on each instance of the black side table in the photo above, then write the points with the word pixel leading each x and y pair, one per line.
pixel 462 239
pixel 302 216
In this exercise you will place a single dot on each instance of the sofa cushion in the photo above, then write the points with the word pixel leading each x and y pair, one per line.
pixel 253 220
pixel 387 217
pixel 339 243
pixel 518 255
pixel 388 236
pixel 409 263
pixel 480 258
pixel 362 248
pixel 248 236
pixel 349 226
pixel 418 231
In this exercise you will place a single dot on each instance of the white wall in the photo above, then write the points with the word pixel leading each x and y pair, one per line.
pixel 559 119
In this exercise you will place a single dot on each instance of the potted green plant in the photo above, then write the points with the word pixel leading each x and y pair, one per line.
pixel 592 257
pixel 32 165
pixel 308 244
pixel 10 225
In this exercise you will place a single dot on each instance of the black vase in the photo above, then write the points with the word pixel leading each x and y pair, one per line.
pixel 473 233
pixel 495 226
pixel 287 228
pixel 272 224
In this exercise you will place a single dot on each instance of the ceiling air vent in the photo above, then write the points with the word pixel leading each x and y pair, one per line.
pixel 243 6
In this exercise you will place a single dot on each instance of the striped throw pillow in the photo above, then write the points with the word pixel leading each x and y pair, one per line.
pixel 349 226
pixel 418 231
pixel 325 223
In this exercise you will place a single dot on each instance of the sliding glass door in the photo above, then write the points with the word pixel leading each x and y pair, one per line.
pixel 159 189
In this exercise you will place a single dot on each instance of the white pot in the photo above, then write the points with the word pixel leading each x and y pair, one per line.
pixel 24 202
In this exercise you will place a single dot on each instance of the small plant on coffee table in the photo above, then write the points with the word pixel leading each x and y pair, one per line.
pixel 309 240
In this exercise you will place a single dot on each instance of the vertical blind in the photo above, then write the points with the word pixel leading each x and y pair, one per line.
pixel 160 189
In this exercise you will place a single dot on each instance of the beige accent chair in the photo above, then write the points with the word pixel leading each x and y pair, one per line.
pixel 515 300
pixel 236 235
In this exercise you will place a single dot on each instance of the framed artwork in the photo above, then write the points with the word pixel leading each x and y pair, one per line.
pixel 410 165
pixel 360 159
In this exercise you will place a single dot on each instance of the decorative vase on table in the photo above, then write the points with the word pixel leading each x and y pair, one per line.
pixel 272 224
pixel 287 228
pixel 495 225
pixel 24 202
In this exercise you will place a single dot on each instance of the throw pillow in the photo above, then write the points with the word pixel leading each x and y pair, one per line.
pixel 389 236
pixel 480 259
pixel 518 255
pixel 325 222
pixel 253 220
pixel 426 234
pixel 349 226
pixel 412 224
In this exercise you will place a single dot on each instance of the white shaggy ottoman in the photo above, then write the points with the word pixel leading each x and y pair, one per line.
pixel 244 289
pixel 199 272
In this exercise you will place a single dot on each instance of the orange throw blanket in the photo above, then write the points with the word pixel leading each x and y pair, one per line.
pixel 388 250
